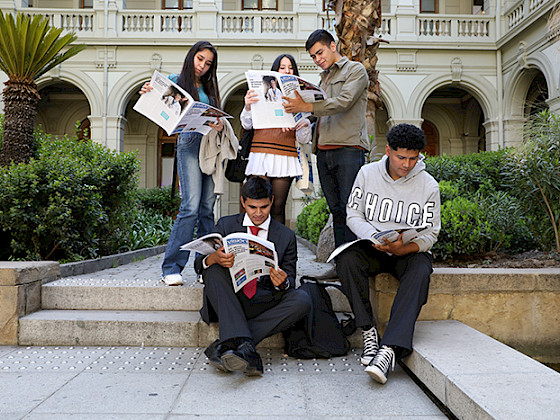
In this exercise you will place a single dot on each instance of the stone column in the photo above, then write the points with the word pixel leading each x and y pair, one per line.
pixel 513 131
pixel 307 17
pixel 554 105
pixel 492 135
pixel 405 13
pixel 20 293
pixel 207 19
pixel 394 121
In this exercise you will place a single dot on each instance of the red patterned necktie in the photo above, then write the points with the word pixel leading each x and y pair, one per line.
pixel 251 288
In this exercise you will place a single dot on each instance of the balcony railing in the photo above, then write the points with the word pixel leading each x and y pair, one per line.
pixel 455 26
pixel 278 26
pixel 523 9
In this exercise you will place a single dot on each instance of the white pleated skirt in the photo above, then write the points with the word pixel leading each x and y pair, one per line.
pixel 275 166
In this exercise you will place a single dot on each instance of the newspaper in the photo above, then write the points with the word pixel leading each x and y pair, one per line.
pixel 253 256
pixel 270 86
pixel 409 233
pixel 174 110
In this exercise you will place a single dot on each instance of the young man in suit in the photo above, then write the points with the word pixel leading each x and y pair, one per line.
pixel 263 308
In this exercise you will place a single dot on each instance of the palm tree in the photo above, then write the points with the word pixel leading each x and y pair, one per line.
pixel 356 21
pixel 30 48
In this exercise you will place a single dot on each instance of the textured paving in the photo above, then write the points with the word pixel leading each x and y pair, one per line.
pixel 174 382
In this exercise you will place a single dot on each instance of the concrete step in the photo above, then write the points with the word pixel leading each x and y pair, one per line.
pixel 107 293
pixel 477 377
pixel 125 328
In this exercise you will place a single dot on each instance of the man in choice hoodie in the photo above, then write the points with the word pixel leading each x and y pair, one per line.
pixel 393 193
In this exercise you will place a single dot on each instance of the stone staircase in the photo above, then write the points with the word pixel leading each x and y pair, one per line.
pixel 130 306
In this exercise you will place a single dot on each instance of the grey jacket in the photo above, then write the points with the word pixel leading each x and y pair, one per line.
pixel 343 114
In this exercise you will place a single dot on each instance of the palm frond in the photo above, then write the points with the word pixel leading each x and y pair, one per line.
pixel 31 47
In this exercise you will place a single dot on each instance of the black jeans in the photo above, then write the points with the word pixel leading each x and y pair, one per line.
pixel 337 171
pixel 354 267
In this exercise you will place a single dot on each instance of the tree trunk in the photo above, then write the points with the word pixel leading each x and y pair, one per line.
pixel 356 21
pixel 20 109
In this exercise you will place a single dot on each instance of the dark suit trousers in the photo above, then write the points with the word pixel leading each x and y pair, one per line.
pixel 354 267
pixel 267 313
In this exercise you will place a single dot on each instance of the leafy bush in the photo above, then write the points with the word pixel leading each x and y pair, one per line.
pixel 72 201
pixel 149 228
pixel 481 224
pixel 533 172
pixel 159 199
pixel 470 172
pixel 312 220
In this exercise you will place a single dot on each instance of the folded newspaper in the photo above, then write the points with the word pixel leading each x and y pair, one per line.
pixel 409 233
pixel 270 86
pixel 253 256
pixel 174 110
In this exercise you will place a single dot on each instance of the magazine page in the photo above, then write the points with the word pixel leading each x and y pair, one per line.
pixel 409 233
pixel 268 112
pixel 253 258
pixel 166 104
pixel 174 110
pixel 344 247
pixel 205 245
pixel 198 117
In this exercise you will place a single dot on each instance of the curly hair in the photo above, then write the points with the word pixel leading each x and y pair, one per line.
pixel 406 136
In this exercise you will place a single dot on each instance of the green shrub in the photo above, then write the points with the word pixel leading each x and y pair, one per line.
pixel 72 201
pixel 312 220
pixel 481 224
pixel 159 199
pixel 533 172
pixel 470 172
pixel 149 228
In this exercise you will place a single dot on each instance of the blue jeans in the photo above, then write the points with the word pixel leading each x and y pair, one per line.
pixel 197 203
pixel 337 171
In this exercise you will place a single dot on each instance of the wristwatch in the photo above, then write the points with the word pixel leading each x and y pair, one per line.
pixel 283 286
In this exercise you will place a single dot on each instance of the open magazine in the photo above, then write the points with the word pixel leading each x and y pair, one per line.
pixel 253 255
pixel 174 110
pixel 270 86
pixel 409 233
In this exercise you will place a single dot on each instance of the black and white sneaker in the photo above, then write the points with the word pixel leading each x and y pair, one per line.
pixel 371 345
pixel 378 369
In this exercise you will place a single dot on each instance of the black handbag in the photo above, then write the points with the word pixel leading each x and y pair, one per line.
pixel 235 169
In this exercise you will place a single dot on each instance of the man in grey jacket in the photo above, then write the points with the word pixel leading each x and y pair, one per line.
pixel 393 193
pixel 341 132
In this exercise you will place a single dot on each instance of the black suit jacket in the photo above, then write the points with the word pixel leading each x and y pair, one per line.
pixel 284 240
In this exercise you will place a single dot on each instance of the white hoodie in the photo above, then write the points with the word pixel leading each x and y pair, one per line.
pixel 378 202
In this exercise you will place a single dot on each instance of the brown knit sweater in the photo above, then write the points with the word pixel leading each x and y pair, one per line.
pixel 274 141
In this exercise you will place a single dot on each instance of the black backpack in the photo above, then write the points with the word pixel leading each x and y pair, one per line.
pixel 323 335
pixel 235 169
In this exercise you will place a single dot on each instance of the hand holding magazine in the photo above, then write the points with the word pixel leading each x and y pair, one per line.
pixel 174 110
pixel 270 86
pixel 253 255
pixel 409 233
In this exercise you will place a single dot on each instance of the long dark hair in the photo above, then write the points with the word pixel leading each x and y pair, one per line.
pixel 208 80
pixel 276 64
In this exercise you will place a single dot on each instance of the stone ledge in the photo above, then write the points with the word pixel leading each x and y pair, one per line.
pixel 477 377
pixel 110 261
pixel 14 273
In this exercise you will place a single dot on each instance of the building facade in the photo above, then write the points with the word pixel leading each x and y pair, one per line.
pixel 469 72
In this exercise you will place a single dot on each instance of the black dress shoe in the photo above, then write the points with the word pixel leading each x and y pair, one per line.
pixel 214 354
pixel 244 359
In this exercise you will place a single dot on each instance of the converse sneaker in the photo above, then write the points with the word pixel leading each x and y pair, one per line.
pixel 378 369
pixel 173 279
pixel 371 345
